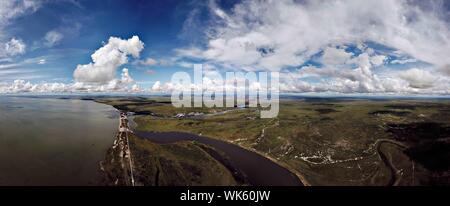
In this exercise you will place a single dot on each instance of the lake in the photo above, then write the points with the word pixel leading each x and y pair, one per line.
pixel 49 141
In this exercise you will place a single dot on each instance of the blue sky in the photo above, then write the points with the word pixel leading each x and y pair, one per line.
pixel 319 46
pixel 86 24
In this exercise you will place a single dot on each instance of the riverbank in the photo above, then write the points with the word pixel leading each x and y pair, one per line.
pixel 395 174
pixel 259 170
pixel 163 138
pixel 136 161
pixel 183 163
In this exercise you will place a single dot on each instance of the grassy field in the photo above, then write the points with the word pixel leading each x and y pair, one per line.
pixel 327 141
pixel 182 163
pixel 178 164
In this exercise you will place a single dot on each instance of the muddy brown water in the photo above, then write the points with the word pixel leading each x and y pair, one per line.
pixel 260 171
pixel 48 141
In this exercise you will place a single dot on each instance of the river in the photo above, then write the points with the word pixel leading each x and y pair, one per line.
pixel 259 170
pixel 54 141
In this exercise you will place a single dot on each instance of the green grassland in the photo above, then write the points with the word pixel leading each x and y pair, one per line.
pixel 160 107
pixel 177 164
pixel 326 141
pixel 184 163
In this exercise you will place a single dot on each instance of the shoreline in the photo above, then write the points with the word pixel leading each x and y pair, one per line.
pixel 393 181
pixel 120 154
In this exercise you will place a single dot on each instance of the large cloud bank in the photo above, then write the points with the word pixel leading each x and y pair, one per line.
pixel 125 84
pixel 289 33
pixel 370 46
pixel 275 35
pixel 97 76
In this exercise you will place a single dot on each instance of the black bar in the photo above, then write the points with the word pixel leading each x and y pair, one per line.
pixel 172 195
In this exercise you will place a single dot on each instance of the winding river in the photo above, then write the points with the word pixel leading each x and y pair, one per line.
pixel 54 141
pixel 259 170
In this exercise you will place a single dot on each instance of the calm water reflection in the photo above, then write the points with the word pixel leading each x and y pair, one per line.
pixel 47 141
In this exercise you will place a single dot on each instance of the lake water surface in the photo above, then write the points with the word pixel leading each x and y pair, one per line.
pixel 45 141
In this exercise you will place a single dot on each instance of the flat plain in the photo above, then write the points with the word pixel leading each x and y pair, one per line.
pixel 324 141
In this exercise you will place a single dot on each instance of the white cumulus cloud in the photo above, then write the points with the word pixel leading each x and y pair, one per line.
pixel 418 78
pixel 126 78
pixel 12 48
pixel 107 60
pixel 156 86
